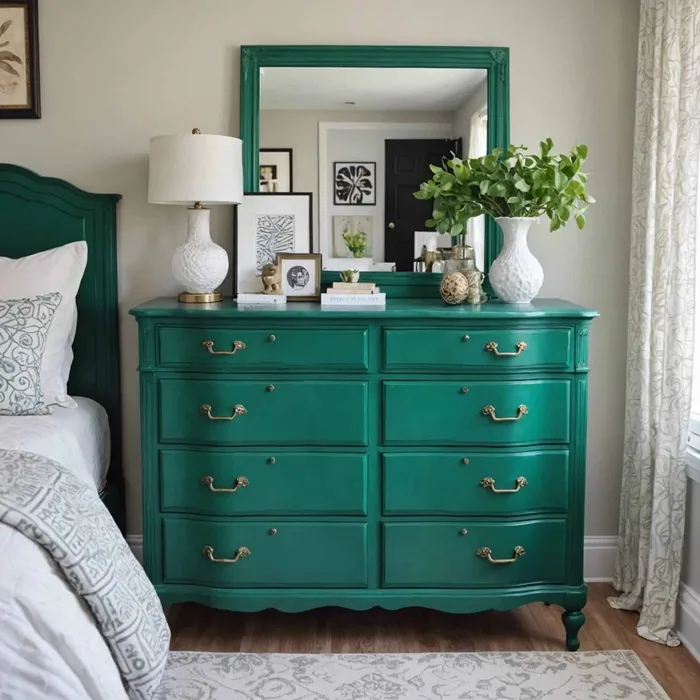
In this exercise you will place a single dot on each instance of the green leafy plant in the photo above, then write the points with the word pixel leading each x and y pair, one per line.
pixel 509 182
pixel 356 241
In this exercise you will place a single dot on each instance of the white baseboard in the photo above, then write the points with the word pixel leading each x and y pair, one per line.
pixel 598 557
pixel 688 622
pixel 136 544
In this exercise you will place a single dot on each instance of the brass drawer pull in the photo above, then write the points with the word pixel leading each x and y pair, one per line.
pixel 238 410
pixel 485 553
pixel 208 552
pixel 491 411
pixel 271 338
pixel 490 483
pixel 521 346
pixel 240 483
pixel 235 347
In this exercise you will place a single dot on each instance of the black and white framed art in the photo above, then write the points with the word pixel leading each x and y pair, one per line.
pixel 354 183
pixel 301 276
pixel 276 170
pixel 266 225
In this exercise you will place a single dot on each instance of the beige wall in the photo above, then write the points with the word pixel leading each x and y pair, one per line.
pixel 115 72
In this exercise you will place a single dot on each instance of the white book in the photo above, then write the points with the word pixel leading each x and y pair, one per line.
pixel 245 298
pixel 354 285
pixel 335 290
pixel 329 299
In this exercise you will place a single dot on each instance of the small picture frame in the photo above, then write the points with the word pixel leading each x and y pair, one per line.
pixel 19 62
pixel 301 276
pixel 275 170
pixel 354 184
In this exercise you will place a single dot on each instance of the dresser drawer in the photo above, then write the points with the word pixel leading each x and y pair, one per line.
pixel 438 555
pixel 269 483
pixel 441 350
pixel 301 555
pixel 276 348
pixel 475 483
pixel 495 412
pixel 217 412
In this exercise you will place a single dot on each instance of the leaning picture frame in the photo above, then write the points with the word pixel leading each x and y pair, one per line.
pixel 266 224
pixel 301 276
pixel 19 60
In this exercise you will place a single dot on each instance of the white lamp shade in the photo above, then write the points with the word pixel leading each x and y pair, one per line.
pixel 204 168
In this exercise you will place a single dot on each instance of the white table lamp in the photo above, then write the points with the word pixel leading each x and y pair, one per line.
pixel 197 170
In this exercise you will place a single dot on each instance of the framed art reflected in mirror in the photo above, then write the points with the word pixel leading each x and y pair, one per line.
pixel 388 113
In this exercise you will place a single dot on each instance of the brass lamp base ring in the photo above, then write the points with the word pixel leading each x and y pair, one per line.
pixel 195 298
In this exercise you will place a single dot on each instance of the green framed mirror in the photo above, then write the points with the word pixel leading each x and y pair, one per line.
pixel 363 124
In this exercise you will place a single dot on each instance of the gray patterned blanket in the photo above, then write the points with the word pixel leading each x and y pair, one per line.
pixel 50 505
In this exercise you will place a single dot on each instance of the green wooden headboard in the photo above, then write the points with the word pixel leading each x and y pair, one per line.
pixel 38 213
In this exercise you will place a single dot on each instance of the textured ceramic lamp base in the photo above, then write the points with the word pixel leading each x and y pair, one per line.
pixel 199 264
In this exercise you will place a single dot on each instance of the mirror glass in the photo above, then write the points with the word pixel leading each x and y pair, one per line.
pixel 362 140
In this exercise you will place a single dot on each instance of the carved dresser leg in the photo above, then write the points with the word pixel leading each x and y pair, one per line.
pixel 573 621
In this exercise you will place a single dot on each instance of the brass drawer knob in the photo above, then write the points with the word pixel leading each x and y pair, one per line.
pixel 240 483
pixel 271 338
pixel 238 410
pixel 485 553
pixel 465 338
pixel 237 345
pixel 272 531
pixel 463 531
pixel 465 389
pixel 490 483
pixel 465 460
pixel 270 387
pixel 520 346
pixel 491 411
pixel 271 460
pixel 208 552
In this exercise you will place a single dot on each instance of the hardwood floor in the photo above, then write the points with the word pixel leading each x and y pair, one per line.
pixel 332 630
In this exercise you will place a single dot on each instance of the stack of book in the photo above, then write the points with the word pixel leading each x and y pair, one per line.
pixel 353 294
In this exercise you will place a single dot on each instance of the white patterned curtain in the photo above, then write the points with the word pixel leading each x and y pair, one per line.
pixel 661 315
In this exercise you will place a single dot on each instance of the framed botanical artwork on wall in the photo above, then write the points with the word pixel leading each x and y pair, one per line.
pixel 266 225
pixel 19 60
pixel 354 184
pixel 352 236
pixel 301 276
pixel 276 172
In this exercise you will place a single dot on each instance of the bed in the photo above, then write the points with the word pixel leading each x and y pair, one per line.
pixel 38 213
pixel 78 617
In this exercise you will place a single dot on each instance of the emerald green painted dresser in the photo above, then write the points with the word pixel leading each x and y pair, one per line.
pixel 418 455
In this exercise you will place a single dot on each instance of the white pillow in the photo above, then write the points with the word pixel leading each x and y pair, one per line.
pixel 57 270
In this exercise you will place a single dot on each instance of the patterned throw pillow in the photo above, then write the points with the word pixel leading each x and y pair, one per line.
pixel 24 325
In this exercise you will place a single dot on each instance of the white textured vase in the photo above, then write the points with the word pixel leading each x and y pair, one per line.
pixel 516 275
pixel 199 264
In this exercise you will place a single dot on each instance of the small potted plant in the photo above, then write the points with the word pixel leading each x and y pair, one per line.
pixel 515 188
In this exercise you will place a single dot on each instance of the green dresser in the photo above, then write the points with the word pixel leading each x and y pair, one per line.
pixel 418 455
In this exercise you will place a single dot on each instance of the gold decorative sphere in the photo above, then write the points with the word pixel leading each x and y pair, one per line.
pixel 454 288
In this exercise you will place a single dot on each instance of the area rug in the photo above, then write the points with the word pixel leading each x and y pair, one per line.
pixel 599 675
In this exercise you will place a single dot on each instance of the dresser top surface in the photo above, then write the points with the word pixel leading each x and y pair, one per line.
pixel 395 308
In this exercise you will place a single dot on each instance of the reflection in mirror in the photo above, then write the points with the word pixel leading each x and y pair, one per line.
pixel 362 140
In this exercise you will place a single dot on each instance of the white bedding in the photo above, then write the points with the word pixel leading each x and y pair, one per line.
pixel 76 437
pixel 50 646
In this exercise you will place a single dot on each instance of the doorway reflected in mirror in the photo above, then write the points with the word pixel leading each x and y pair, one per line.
pixel 364 140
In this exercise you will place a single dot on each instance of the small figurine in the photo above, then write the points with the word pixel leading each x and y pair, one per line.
pixel 272 279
